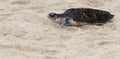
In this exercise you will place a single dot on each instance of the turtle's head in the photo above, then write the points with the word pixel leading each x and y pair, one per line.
pixel 56 17
pixel 53 16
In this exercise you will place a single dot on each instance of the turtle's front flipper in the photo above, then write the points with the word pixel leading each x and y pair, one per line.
pixel 66 23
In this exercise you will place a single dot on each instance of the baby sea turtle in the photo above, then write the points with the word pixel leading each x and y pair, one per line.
pixel 81 16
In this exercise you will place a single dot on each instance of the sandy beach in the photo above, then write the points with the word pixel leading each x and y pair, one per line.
pixel 27 33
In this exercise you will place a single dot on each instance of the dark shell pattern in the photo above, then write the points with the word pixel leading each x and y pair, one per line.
pixel 88 15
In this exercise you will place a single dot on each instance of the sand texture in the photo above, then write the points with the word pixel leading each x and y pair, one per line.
pixel 27 33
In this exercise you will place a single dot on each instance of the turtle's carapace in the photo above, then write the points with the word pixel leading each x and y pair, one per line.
pixel 81 16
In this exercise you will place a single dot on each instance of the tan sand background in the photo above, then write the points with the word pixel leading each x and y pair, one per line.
pixel 27 33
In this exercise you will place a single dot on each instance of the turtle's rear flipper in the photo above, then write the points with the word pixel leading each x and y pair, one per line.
pixel 110 17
